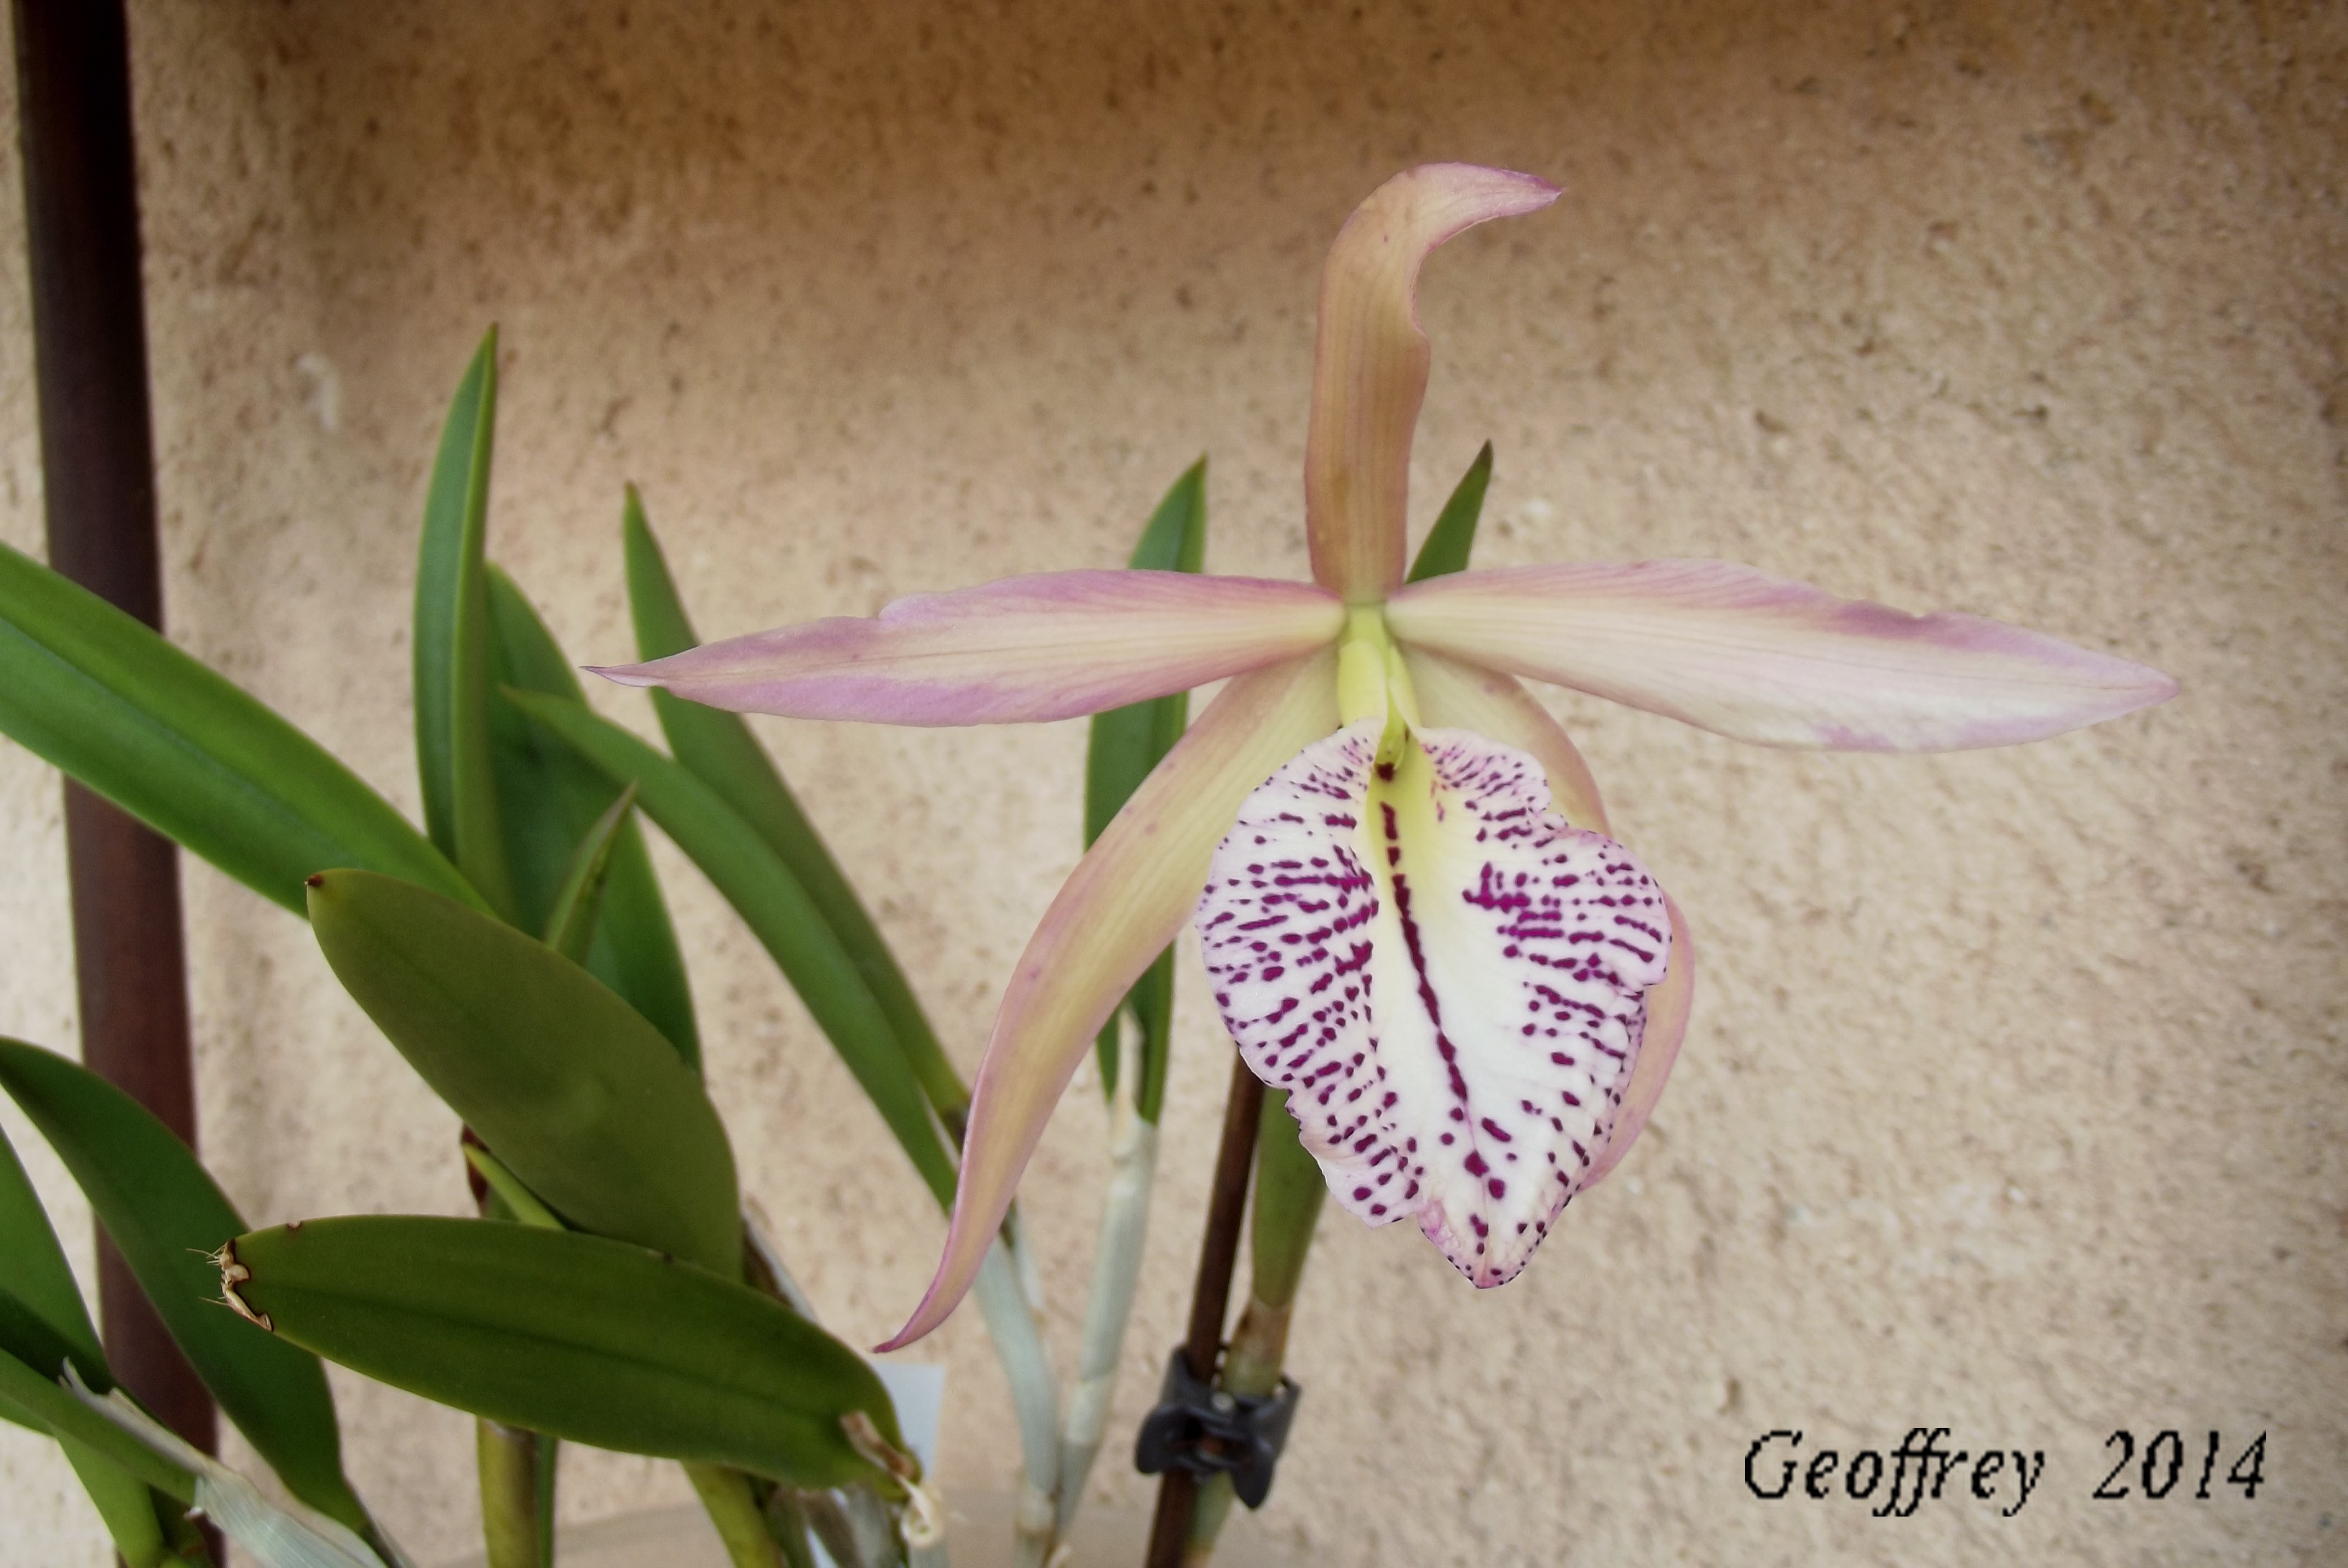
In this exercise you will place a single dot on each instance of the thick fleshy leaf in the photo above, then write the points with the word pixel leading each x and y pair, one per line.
pixel 592 1340
pixel 37 1276
pixel 109 701
pixel 1768 660
pixel 1455 696
pixel 272 1534
pixel 1125 900
pixel 41 1395
pixel 1370 364
pixel 1124 746
pixel 44 1324
pixel 718 749
pixel 551 797
pixel 165 1214
pixel 451 639
pixel 1448 978
pixel 564 1081
pixel 787 923
pixel 1058 645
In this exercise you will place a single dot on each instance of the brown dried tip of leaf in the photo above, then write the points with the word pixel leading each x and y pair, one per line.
pixel 922 1523
pixel 234 1273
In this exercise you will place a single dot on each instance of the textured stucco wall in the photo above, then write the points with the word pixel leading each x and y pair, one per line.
pixel 2014 1099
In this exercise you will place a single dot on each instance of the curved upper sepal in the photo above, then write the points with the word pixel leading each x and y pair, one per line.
pixel 1370 363
pixel 1448 978
pixel 1125 900
pixel 1057 645
pixel 1768 660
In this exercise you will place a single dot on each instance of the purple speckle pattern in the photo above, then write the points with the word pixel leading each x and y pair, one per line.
pixel 1448 980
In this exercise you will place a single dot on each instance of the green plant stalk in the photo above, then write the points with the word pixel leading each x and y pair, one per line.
pixel 726 1496
pixel 1289 1193
pixel 506 1458
pixel 786 1521
pixel 1035 1398
pixel 516 1466
pixel 1116 1270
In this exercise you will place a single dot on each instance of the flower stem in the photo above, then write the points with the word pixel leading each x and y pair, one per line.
pixel 1211 1293
pixel 1289 1193
pixel 1117 1269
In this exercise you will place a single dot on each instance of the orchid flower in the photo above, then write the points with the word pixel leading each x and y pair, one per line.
pixel 1412 917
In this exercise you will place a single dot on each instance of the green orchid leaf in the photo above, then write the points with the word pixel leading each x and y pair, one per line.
pixel 44 1322
pixel 165 1214
pixel 76 1423
pixel 717 748
pixel 111 703
pixel 564 1081
pixel 746 869
pixel 522 1206
pixel 1125 744
pixel 579 902
pixel 38 1277
pixel 550 798
pixel 588 1339
pixel 132 1513
pixel 1454 534
pixel 452 639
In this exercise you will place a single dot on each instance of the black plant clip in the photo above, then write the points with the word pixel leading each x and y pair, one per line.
pixel 1201 1428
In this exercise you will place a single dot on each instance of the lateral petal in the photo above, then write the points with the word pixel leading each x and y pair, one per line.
pixel 1456 696
pixel 1050 646
pixel 1125 902
pixel 1369 363
pixel 1448 978
pixel 1766 658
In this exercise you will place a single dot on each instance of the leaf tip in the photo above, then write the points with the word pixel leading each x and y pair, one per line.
pixel 234 1273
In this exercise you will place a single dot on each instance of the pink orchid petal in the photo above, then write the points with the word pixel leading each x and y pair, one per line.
pixel 1668 1008
pixel 1369 367
pixel 1125 900
pixel 1447 977
pixel 1765 659
pixel 1455 696
pixel 1051 646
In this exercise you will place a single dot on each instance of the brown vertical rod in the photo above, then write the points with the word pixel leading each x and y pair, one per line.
pixel 98 475
pixel 1211 1297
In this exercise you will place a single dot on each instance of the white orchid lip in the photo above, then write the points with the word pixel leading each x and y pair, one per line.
pixel 1448 978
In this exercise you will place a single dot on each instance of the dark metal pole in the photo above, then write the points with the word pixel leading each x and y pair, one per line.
pixel 98 474
pixel 1211 1297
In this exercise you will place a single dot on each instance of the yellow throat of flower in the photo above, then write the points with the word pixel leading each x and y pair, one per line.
pixel 1372 680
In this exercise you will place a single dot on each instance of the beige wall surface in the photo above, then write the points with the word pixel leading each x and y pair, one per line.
pixel 2013 1101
